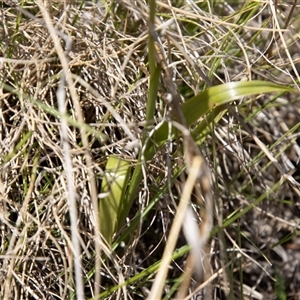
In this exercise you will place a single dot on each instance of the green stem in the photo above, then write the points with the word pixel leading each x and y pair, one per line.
pixel 155 72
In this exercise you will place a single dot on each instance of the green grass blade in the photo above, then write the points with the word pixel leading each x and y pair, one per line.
pixel 23 141
pixel 147 273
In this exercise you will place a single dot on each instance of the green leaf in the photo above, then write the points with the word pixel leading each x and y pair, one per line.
pixel 113 186
pixel 197 106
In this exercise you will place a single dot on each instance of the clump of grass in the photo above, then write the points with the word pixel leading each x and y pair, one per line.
pixel 83 90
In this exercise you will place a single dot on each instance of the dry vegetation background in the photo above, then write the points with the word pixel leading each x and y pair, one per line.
pixel 256 207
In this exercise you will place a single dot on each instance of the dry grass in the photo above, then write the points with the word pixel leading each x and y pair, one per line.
pixel 252 149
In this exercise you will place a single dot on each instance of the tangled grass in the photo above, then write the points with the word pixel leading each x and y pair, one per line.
pixel 76 90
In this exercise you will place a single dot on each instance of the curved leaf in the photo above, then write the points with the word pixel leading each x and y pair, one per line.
pixel 197 106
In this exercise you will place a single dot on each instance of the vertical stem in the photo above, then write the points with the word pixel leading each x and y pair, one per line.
pixel 155 71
